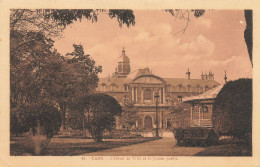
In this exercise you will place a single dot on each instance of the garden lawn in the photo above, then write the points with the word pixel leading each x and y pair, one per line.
pixel 226 150
pixel 70 146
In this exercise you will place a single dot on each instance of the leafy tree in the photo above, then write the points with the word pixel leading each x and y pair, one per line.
pixel 232 110
pixel 16 126
pixel 46 113
pixel 30 43
pixel 84 71
pixel 26 68
pixel 128 117
pixel 180 113
pixel 32 69
pixel 248 33
pixel 185 15
pixel 51 22
pixel 100 112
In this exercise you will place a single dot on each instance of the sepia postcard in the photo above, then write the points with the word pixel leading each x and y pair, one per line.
pixel 149 83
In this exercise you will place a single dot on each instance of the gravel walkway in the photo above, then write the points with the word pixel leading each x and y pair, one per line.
pixel 161 147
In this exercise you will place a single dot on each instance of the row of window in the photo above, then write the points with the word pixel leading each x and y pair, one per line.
pixel 113 87
pixel 187 88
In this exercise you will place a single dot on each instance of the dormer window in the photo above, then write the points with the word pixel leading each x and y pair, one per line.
pixel 113 87
pixel 179 87
pixel 103 87
pixel 168 88
pixel 189 88
pixel 206 88
pixel 198 88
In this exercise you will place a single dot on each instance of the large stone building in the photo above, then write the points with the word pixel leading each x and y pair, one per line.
pixel 142 86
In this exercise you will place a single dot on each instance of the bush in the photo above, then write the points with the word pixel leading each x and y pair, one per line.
pixel 42 119
pixel 232 110
pixel 195 136
pixel 180 116
pixel 101 112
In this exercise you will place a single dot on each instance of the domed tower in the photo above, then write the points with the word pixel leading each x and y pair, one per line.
pixel 123 67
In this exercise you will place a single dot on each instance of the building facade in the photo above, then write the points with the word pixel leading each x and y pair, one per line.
pixel 202 107
pixel 141 86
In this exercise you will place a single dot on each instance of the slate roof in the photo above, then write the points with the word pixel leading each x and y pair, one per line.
pixel 115 80
pixel 169 81
pixel 172 82
pixel 192 82
pixel 210 94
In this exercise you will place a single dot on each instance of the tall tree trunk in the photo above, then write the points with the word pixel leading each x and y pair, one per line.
pixel 248 33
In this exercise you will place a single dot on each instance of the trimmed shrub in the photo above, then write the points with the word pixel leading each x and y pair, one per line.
pixel 232 110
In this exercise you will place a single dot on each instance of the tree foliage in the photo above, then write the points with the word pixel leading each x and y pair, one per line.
pixel 38 72
pixel 185 15
pixel 128 117
pixel 232 110
pixel 248 33
pixel 84 72
pixel 181 13
pixel 51 22
pixel 33 72
pixel 180 115
pixel 100 113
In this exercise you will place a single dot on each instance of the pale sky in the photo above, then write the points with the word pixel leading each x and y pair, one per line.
pixel 214 42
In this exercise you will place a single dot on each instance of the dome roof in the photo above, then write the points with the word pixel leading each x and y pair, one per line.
pixel 123 57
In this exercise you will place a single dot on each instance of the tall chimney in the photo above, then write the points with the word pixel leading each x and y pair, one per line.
pixel 188 74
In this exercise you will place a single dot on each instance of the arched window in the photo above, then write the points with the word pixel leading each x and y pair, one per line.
pixel 147 94
pixel 148 122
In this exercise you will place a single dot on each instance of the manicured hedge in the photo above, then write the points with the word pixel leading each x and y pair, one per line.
pixel 232 110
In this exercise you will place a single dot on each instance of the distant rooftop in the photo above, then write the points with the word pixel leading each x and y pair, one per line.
pixel 210 94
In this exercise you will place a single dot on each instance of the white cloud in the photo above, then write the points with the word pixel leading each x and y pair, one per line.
pixel 204 23
pixel 166 54
pixel 201 47
pixel 142 36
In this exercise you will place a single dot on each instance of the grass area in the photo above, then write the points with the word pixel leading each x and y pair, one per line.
pixel 70 146
pixel 226 150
